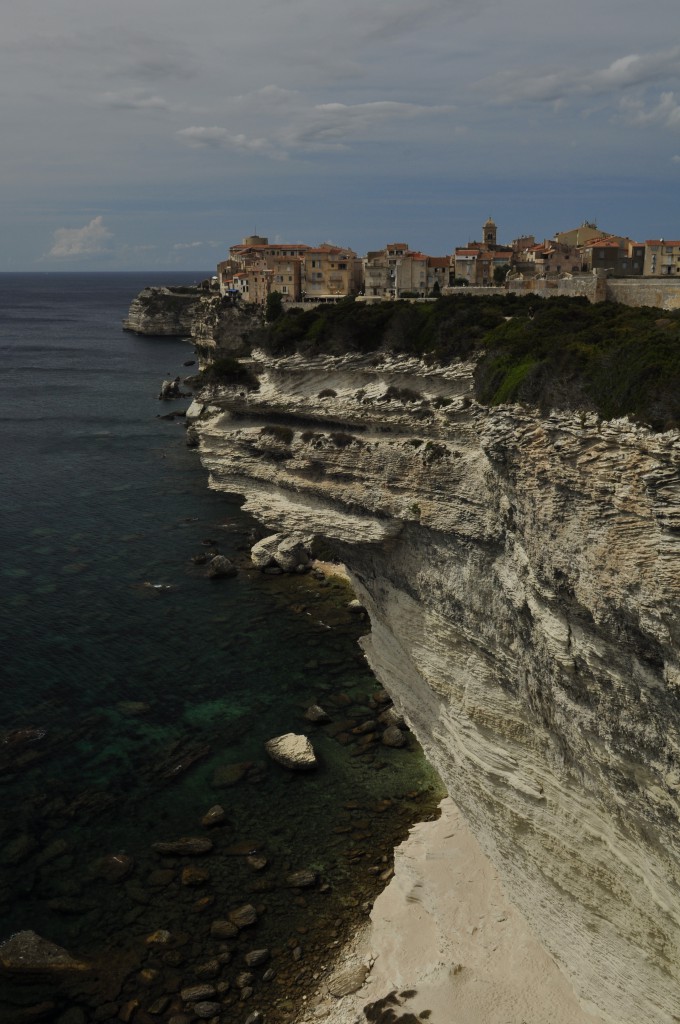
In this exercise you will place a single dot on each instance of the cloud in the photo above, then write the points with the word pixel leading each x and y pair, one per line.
pixel 87 240
pixel 201 137
pixel 303 127
pixel 666 112
pixel 195 245
pixel 134 99
pixel 631 70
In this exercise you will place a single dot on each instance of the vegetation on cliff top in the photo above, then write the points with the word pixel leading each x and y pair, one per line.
pixel 554 353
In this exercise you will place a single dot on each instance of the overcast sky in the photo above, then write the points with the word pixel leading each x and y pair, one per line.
pixel 142 134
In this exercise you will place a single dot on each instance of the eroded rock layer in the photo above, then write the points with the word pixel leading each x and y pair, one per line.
pixel 522 575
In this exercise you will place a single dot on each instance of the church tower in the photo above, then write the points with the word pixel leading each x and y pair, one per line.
pixel 489 233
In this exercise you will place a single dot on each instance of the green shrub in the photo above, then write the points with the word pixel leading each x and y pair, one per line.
pixel 227 370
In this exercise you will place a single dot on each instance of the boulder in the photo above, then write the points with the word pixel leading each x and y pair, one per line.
pixel 317 714
pixel 215 816
pixel 27 952
pixel 189 846
pixel 223 930
pixel 256 957
pixel 262 553
pixel 392 717
pixel 291 553
pixel 292 751
pixel 393 737
pixel 113 868
pixel 195 993
pixel 280 552
pixel 242 916
pixel 347 981
pixel 220 567
pixel 303 879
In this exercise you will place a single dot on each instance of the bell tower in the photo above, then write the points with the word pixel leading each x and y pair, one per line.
pixel 489 233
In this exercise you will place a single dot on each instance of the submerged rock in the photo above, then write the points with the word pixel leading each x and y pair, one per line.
pixel 189 846
pixel 221 567
pixel 27 952
pixel 292 751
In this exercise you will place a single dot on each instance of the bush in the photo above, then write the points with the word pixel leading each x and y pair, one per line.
pixel 227 370
pixel 281 433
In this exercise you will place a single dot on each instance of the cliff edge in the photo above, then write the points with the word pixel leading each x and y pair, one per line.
pixel 521 571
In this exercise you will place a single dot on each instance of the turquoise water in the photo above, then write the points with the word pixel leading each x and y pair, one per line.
pixel 122 701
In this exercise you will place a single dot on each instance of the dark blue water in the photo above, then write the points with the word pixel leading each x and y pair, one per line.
pixel 125 705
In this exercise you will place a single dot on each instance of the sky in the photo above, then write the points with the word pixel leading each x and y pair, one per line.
pixel 154 134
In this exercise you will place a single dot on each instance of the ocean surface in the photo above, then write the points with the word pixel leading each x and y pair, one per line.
pixel 136 694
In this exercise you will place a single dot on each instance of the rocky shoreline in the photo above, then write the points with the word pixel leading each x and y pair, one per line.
pixel 259 921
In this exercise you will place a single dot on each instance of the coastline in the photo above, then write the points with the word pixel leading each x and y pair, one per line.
pixel 444 944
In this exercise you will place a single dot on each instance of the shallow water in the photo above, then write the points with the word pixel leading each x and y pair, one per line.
pixel 121 701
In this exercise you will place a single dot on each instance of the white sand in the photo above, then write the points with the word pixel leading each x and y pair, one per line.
pixel 444 927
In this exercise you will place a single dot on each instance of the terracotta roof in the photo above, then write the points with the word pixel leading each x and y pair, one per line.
pixel 439 261
pixel 661 241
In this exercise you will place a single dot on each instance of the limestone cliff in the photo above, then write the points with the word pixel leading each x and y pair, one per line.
pixel 163 311
pixel 522 575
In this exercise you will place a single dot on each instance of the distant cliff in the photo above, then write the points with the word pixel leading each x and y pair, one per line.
pixel 522 572
pixel 210 320
pixel 163 311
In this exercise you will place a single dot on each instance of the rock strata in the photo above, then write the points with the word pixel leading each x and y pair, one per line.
pixel 521 572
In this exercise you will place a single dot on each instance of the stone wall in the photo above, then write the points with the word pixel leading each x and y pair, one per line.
pixel 630 291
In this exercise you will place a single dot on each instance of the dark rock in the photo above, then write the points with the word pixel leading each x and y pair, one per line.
pixel 223 930
pixel 195 993
pixel 393 737
pixel 188 846
pixel 254 1018
pixel 160 878
pixel 193 876
pixel 160 1005
pixel 113 868
pixel 392 717
pixel 243 916
pixel 303 879
pixel 230 774
pixel 215 816
pixel 256 957
pixel 210 969
pixel 244 979
pixel 27 952
pixel 221 568
pixel 317 714
pixel 256 862
pixel 207 1010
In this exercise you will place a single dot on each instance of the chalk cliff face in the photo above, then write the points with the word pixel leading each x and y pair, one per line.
pixel 522 575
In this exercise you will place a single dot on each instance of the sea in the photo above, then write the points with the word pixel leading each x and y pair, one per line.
pixel 137 695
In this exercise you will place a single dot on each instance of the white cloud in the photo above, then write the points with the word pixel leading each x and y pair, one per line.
pixel 631 70
pixel 87 240
pixel 202 137
pixel 304 127
pixel 665 112
pixel 194 245
pixel 134 99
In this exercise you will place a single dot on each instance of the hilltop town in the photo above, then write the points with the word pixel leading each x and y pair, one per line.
pixel 257 267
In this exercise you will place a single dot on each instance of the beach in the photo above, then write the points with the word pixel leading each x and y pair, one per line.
pixel 444 944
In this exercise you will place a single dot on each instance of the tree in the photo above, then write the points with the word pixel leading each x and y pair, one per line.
pixel 436 290
pixel 273 309
pixel 500 273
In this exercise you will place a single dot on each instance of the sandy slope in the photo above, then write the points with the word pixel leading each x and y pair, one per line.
pixel 444 928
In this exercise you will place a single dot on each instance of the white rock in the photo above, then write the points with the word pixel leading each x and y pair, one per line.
pixel 292 751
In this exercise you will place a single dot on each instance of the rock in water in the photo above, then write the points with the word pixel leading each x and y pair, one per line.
pixel 279 551
pixel 27 952
pixel 221 567
pixel 292 751
pixel 189 846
